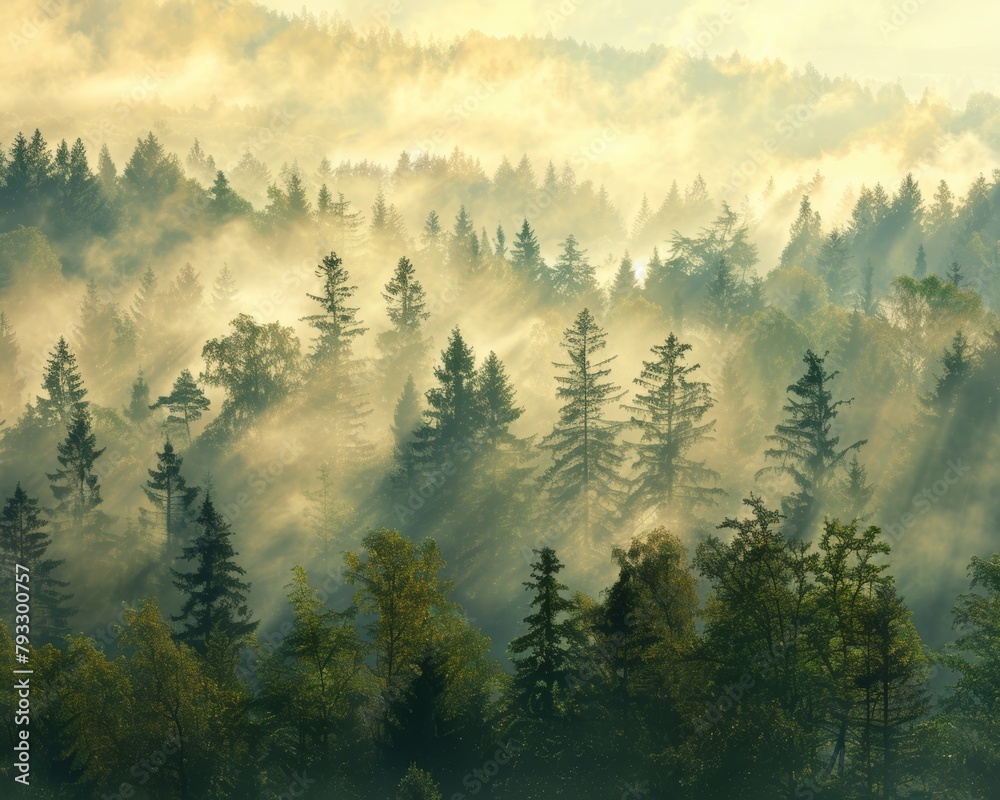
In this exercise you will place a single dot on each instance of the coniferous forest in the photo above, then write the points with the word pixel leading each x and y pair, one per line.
pixel 390 417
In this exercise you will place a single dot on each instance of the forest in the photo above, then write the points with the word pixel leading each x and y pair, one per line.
pixel 470 475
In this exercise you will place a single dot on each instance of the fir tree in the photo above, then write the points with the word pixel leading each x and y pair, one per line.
pixel 453 417
pixel 338 325
pixel 76 485
pixel 572 277
pixel 433 236
pixel 215 602
pixel 64 387
pixel 583 480
pixel 526 256
pixel 920 267
pixel 24 542
pixel 168 491
pixel 833 261
pixel 624 288
pixel 955 276
pixel 224 202
pixel 669 411
pixel 186 403
pixel 804 444
pixel 405 420
pixel 804 240
pixel 224 292
pixel 500 243
pixel 138 406
pixel 957 364
pixel 463 247
pixel 542 655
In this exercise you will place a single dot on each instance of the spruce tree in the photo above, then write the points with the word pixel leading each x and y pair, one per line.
pixel 338 325
pixel 542 656
pixel 526 256
pixel 186 403
pixel 24 541
pixel 405 420
pixel 805 239
pixel 624 288
pixel 463 246
pixel 920 266
pixel 404 346
pixel 76 485
pixel 215 603
pixel 669 411
pixel 138 405
pixel 955 276
pixel 168 491
pixel 583 481
pixel 433 237
pixel 63 385
pixel 804 445
pixel 572 277
pixel 453 417
pixel 833 262
pixel 957 364
pixel 224 292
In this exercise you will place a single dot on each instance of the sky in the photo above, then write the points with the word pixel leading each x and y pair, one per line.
pixel 947 46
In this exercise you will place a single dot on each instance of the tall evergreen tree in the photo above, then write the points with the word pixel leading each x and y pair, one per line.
pixel 463 246
pixel 11 381
pixel 624 287
pixel 583 481
pixel 186 403
pixel 669 411
pixel 215 594
pixel 63 385
pixel 138 406
pixel 338 325
pixel 542 655
pixel 804 443
pixel 956 364
pixel 572 277
pixel 526 256
pixel 453 418
pixel 920 266
pixel 805 239
pixel 76 486
pixel 168 491
pixel 404 345
pixel 24 541
pixel 833 261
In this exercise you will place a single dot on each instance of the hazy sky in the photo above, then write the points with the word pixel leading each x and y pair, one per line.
pixel 919 42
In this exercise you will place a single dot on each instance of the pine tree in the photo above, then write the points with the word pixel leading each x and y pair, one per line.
pixel 855 489
pixel 583 480
pixel 804 444
pixel 955 276
pixel 453 419
pixel 804 240
pixel 670 414
pixel 433 236
pixel 386 229
pixel 406 302
pixel 186 290
pixel 405 421
pixel 224 292
pixel 23 541
pixel 138 406
pixel 642 218
pixel 338 325
pixel 542 655
pixel 324 202
pixel 107 173
pixel 167 490
pixel 64 386
pixel 76 485
pixel 215 603
pixel 224 202
pixel 526 256
pixel 145 308
pixel 186 403
pixel 920 266
pixel 463 247
pixel 957 365
pixel 869 303
pixel 326 515
pixel 833 261
pixel 572 278
pixel 500 243
pixel 624 288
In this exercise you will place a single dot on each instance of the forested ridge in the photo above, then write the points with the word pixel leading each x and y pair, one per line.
pixel 528 500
